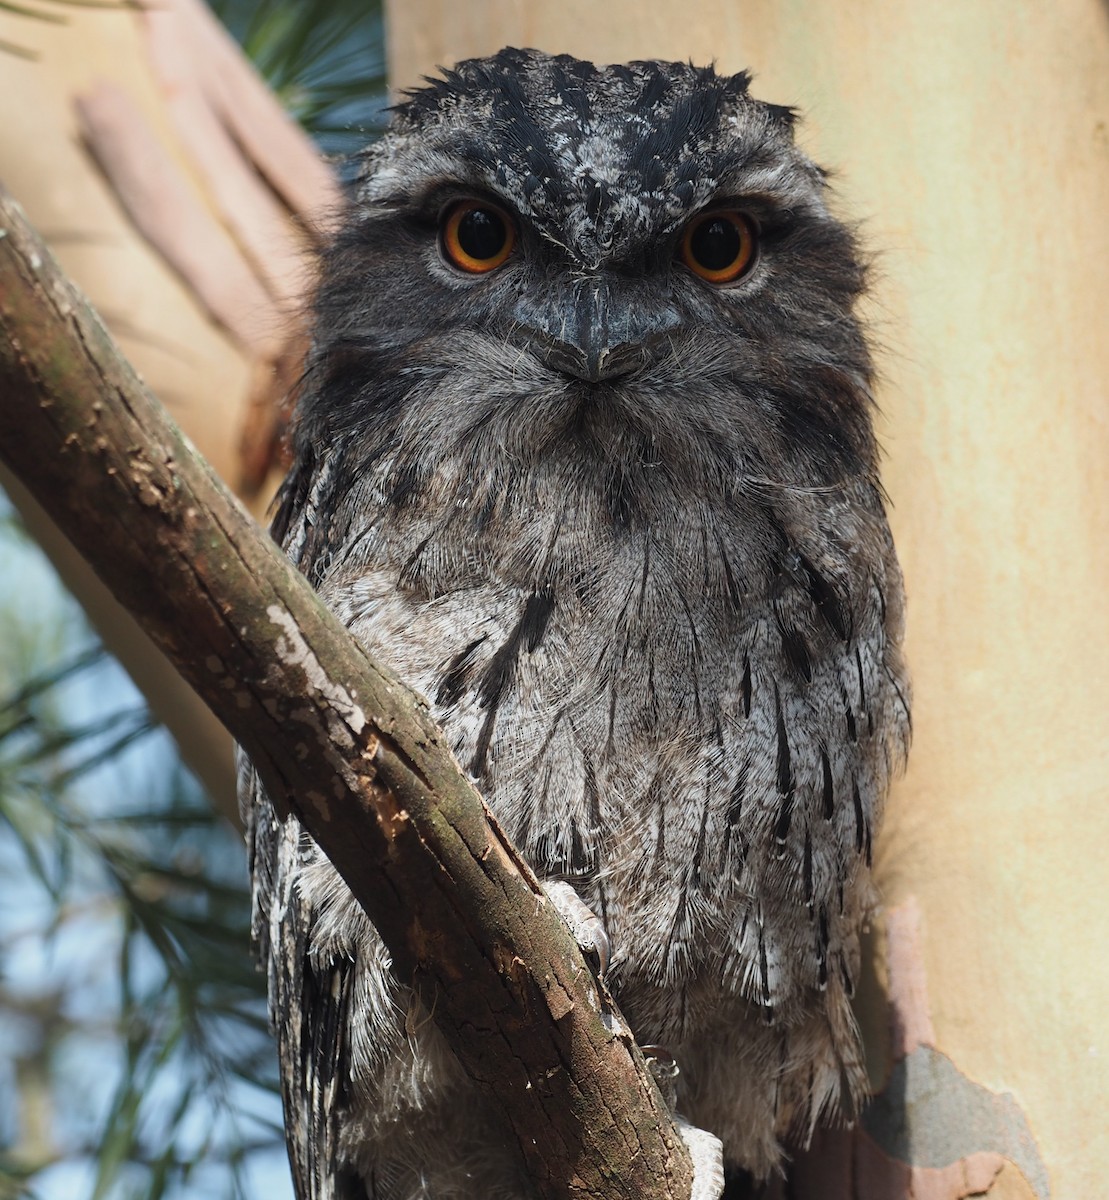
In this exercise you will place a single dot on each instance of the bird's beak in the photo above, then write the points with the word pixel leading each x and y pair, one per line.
pixel 587 332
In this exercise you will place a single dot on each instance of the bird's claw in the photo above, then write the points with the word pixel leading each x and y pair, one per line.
pixel 588 929
pixel 664 1071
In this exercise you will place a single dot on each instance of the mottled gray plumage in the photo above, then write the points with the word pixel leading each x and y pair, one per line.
pixel 622 526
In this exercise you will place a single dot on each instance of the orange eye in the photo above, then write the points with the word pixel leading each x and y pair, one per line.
pixel 718 246
pixel 476 237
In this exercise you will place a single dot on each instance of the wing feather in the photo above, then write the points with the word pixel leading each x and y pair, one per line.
pixel 309 1004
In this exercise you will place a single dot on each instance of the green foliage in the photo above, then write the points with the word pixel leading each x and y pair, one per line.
pixel 325 60
pixel 135 1022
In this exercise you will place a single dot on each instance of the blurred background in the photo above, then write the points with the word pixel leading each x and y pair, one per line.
pixel 135 1060
pixel 184 163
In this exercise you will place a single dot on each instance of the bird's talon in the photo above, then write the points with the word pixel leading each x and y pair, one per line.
pixel 588 929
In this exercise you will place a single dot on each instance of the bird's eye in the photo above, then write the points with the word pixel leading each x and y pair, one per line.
pixel 476 237
pixel 718 246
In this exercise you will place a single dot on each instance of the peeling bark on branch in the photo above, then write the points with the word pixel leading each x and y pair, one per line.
pixel 335 738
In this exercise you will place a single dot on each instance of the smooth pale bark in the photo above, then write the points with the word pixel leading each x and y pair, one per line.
pixel 335 738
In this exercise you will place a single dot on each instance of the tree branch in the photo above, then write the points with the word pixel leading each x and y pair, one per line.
pixel 336 739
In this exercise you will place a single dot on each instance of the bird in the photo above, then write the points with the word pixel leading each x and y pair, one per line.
pixel 584 451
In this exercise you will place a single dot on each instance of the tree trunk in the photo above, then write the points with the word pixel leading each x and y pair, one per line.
pixel 972 140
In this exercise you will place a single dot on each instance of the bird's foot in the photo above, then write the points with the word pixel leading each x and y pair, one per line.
pixel 588 929
pixel 664 1071
pixel 705 1149
pixel 707 1154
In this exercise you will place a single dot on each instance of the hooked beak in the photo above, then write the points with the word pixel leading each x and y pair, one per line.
pixel 591 359
pixel 586 336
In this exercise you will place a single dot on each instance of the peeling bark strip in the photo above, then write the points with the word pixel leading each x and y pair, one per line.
pixel 335 737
